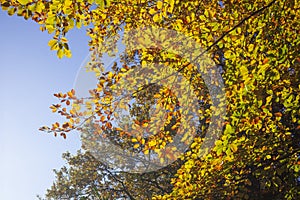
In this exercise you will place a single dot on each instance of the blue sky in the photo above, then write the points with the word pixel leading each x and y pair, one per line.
pixel 29 75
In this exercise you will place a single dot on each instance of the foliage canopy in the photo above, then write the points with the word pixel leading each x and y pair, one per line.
pixel 255 44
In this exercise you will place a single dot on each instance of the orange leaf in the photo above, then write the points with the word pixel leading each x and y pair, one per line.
pixel 102 118
pixel 108 125
pixel 265 60
pixel 278 114
pixel 118 129
pixel 70 94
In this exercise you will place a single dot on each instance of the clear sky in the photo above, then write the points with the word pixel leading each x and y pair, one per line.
pixel 29 75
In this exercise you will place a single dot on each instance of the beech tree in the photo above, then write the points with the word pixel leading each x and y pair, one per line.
pixel 255 46
pixel 88 178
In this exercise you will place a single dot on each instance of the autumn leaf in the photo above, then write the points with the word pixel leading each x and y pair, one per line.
pixel 255 48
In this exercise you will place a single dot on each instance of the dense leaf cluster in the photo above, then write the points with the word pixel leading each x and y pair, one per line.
pixel 256 46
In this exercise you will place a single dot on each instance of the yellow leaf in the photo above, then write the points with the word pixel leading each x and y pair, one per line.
pixel 161 160
pixel 63 39
pixel 206 13
pixel 144 63
pixel 60 53
pixel 52 42
pixel 152 143
pixel 156 96
pixel 55 125
pixel 227 54
pixel 244 70
pixel 159 4
pixel 72 112
pixel 146 152
pixel 23 2
pixel 136 146
pixel 193 145
pixel 152 11
pixel 110 75
pixel 251 47
pixel 233 147
pixel 268 99
pixel 145 125
pixel 103 16
pixel 133 140
pixel 156 17
pixel 78 24
pixel 202 17
pixel 68 53
pixel 68 3
pixel 174 127
pixel 55 47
